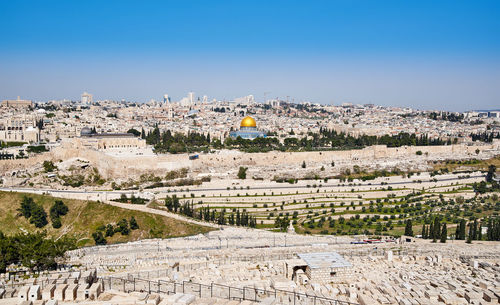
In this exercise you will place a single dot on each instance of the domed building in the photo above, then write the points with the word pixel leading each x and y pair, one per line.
pixel 86 132
pixel 248 130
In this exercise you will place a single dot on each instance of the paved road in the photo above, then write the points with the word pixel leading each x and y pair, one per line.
pixel 294 186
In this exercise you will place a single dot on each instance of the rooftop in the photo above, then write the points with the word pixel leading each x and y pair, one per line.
pixel 324 260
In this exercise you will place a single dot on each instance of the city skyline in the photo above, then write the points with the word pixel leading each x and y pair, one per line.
pixel 421 55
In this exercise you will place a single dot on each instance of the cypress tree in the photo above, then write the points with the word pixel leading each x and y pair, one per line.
pixel 408 228
pixel 469 238
pixel 489 232
pixel 424 234
pixel 444 233
pixel 238 218
pixel 436 229
pixel 463 224
pixel 479 233
pixel 474 232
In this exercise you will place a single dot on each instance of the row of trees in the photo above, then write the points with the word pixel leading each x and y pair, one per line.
pixel 493 232
pixel 133 200
pixel 123 227
pixel 36 214
pixel 222 217
pixel 330 139
pixel 211 215
pixel 435 230
pixel 178 143
pixel 432 231
pixel 175 143
pixel 35 251
pixel 447 116
pixel 485 136
pixel 334 139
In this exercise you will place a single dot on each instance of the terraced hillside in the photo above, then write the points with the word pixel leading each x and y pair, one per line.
pixel 380 206
pixel 85 218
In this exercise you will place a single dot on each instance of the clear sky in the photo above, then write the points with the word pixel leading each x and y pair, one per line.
pixel 424 54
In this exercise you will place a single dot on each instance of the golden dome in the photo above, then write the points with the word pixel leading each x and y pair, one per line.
pixel 248 122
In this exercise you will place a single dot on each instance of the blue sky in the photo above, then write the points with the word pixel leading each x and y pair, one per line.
pixel 424 54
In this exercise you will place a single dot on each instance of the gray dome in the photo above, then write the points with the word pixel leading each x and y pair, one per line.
pixel 85 131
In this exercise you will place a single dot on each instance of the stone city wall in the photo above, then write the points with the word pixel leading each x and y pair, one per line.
pixel 372 152
pixel 133 165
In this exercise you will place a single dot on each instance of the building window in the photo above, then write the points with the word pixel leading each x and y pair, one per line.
pixel 333 273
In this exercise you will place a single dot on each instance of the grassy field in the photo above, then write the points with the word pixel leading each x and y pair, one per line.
pixel 84 217
pixel 453 165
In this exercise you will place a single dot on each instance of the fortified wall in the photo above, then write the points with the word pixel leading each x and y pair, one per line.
pixel 134 165
pixel 369 153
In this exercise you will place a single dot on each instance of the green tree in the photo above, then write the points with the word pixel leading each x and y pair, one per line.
pixel 133 223
pixel 238 217
pixel 169 203
pixel 409 228
pixel 122 227
pixel 471 234
pixel 58 209
pixel 99 238
pixel 474 230
pixel 27 205
pixel 444 233
pixel 56 223
pixel 135 132
pixel 461 230
pixel 38 252
pixel 38 216
pixel 491 173
pixel 221 219
pixel 8 253
pixel 49 166
pixel 436 229
pixel 242 172
pixel 110 231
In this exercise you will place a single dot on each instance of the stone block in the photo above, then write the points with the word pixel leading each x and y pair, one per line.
pixel 153 299
pixel 48 292
pixel 23 293
pixel 60 292
pixel 186 299
pixel 34 293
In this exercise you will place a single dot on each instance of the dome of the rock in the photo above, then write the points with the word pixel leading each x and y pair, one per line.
pixel 248 122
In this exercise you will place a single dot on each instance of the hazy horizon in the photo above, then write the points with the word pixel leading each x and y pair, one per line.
pixel 424 55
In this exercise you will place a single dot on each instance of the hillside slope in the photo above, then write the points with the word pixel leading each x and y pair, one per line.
pixel 84 217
